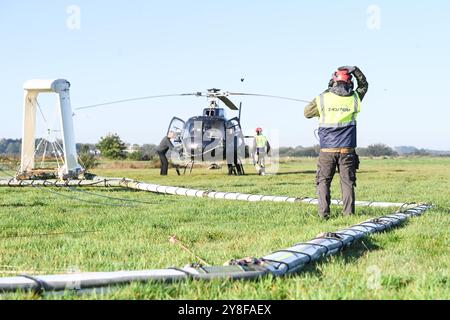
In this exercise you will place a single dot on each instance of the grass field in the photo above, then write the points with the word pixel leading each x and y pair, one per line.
pixel 410 262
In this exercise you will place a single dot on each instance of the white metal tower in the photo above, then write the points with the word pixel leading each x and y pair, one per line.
pixel 61 88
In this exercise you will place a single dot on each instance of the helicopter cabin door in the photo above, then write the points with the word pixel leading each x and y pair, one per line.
pixel 236 148
pixel 176 125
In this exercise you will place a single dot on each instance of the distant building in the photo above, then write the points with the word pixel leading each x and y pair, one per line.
pixel 132 148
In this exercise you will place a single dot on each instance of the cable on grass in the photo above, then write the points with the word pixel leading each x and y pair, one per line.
pixel 109 197
pixel 82 200
pixel 50 234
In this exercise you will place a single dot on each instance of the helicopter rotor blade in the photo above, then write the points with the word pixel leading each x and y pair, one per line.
pixel 227 102
pixel 221 96
pixel 196 94
pixel 266 96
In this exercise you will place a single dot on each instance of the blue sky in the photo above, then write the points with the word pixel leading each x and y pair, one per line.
pixel 138 48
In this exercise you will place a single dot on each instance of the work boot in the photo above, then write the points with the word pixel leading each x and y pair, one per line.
pixel 325 216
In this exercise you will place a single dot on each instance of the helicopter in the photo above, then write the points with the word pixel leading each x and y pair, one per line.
pixel 211 136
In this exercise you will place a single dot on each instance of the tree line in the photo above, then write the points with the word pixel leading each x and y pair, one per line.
pixel 111 146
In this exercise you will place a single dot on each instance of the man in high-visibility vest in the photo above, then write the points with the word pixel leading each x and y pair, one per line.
pixel 261 149
pixel 337 109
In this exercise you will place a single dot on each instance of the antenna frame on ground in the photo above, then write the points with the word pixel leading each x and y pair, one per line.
pixel 61 87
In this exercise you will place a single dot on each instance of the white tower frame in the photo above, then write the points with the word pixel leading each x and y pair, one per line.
pixel 61 88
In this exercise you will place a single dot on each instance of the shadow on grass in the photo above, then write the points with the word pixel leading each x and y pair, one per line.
pixel 292 172
pixel 348 256
pixel 314 172
pixel 22 205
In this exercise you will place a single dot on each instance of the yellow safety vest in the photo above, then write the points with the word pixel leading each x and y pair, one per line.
pixel 336 111
pixel 261 141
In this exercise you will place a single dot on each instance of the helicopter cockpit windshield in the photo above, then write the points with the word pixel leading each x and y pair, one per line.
pixel 213 129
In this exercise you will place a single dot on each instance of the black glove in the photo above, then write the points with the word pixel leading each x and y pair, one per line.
pixel 350 69
pixel 331 83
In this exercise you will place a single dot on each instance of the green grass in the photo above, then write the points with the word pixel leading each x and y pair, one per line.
pixel 412 261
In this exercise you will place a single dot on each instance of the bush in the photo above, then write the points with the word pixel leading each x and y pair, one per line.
pixel 112 147
pixel 299 151
pixel 136 156
pixel 148 151
pixel 377 150
pixel 87 159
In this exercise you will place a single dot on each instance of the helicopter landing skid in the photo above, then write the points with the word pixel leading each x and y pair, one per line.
pixel 190 165
pixel 236 169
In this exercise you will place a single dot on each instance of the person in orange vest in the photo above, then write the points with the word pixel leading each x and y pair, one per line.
pixel 261 148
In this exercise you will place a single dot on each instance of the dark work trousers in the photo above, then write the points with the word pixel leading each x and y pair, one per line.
pixel 164 162
pixel 347 164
